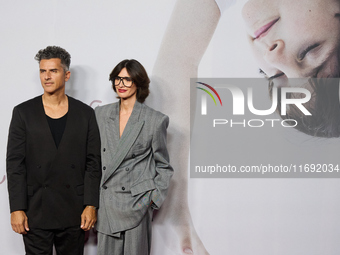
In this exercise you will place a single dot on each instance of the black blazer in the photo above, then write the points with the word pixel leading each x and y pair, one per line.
pixel 53 185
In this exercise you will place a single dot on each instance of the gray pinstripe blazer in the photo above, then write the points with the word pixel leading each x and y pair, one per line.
pixel 136 169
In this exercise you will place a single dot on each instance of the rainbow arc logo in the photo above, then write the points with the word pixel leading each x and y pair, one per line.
pixel 204 99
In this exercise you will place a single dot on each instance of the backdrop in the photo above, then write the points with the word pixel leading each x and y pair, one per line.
pixel 215 216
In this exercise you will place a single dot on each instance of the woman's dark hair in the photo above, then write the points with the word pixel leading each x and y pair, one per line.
pixel 138 75
pixel 323 105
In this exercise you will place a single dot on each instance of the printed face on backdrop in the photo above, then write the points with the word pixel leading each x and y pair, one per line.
pixel 122 91
pixel 292 38
pixel 52 75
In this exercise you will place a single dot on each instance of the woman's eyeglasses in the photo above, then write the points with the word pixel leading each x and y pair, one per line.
pixel 127 81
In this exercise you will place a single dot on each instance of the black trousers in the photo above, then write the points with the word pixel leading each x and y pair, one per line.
pixel 68 241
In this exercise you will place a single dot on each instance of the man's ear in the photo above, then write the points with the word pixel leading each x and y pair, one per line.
pixel 67 75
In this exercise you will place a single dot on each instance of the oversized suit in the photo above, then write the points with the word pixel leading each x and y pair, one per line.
pixel 53 185
pixel 136 170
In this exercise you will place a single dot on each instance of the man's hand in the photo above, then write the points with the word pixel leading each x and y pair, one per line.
pixel 88 218
pixel 19 222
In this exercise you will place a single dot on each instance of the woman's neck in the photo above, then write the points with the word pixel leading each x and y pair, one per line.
pixel 126 105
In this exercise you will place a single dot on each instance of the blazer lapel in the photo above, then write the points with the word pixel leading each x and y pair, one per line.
pixel 112 129
pixel 130 134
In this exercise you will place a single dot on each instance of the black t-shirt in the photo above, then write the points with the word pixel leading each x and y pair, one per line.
pixel 57 127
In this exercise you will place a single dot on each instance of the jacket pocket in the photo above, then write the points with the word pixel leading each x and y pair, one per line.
pixel 142 187
pixel 136 151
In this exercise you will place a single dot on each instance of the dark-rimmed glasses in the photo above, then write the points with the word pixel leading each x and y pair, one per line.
pixel 127 81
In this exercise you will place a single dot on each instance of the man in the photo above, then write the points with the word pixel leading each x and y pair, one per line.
pixel 53 163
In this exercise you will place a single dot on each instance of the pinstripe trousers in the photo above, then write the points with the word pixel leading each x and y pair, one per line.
pixel 136 241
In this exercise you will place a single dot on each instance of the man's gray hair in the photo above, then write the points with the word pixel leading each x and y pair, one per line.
pixel 55 52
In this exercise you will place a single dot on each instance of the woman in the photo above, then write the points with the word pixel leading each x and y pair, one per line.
pixel 294 38
pixel 135 163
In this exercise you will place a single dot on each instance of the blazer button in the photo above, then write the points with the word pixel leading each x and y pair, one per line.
pixel 104 167
pixel 104 149
pixel 38 166
pixel 133 155
pixel 73 166
pixel 123 188
pixel 104 187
